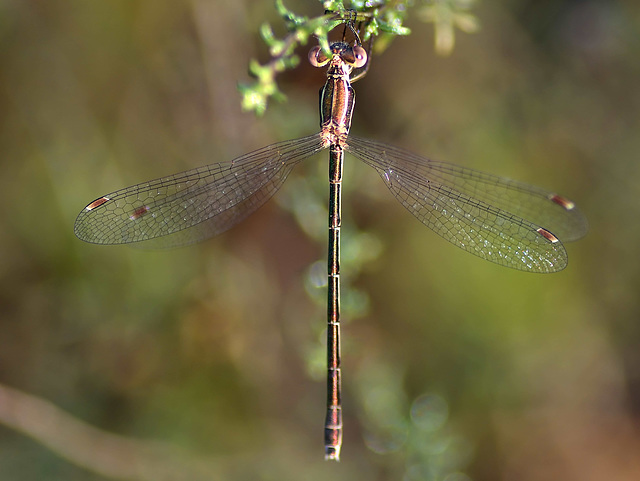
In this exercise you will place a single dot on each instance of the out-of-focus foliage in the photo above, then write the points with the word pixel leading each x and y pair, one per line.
pixel 208 362
pixel 446 15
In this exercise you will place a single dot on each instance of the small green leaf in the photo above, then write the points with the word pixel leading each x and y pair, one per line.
pixel 289 17
pixel 266 33
pixel 334 5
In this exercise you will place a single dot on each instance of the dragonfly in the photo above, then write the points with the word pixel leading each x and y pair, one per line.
pixel 500 220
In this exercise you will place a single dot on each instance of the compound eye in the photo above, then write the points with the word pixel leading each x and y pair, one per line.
pixel 360 57
pixel 317 58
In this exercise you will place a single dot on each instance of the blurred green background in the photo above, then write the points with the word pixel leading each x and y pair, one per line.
pixel 207 362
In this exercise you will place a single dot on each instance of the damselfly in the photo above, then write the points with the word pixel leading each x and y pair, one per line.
pixel 500 220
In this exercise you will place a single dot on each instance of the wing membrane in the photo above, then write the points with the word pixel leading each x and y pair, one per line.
pixel 194 205
pixel 503 221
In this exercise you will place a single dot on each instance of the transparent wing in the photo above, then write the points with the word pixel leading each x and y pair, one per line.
pixel 194 205
pixel 502 221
